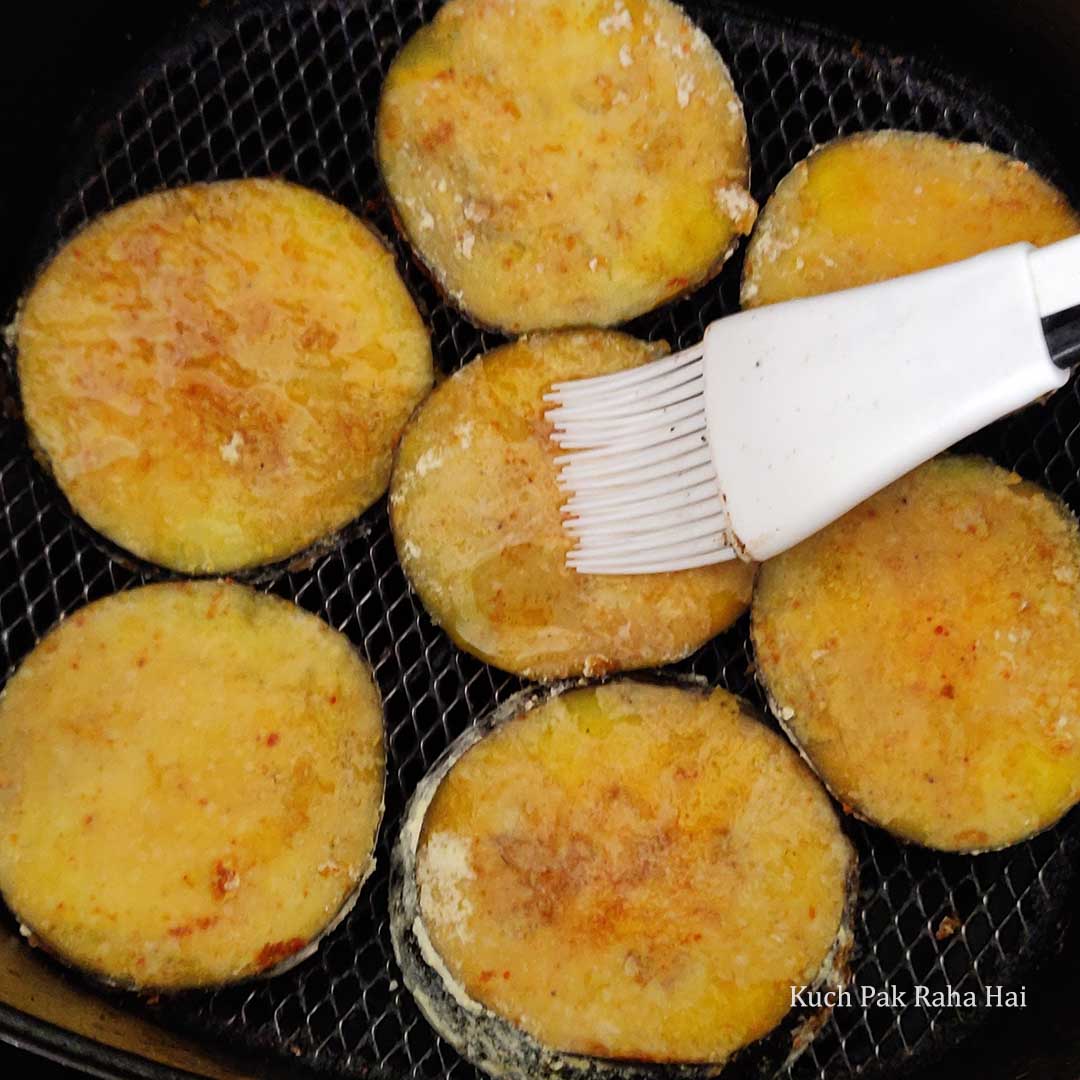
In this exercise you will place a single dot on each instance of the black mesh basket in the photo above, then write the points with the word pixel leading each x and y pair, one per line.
pixel 289 88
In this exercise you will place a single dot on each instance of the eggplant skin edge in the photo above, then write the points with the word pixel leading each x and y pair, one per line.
pixel 503 1050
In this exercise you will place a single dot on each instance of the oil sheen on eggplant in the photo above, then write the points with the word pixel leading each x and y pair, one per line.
pixel 216 375
pixel 477 520
pixel 561 163
pixel 877 205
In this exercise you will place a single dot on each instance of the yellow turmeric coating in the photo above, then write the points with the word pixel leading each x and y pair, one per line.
pixel 217 375
pixel 564 163
pixel 876 206
pixel 477 521
pixel 660 909
pixel 923 653
pixel 191 779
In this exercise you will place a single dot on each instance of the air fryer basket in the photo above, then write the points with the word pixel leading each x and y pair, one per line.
pixel 289 88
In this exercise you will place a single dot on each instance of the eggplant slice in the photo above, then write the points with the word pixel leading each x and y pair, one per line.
pixel 878 205
pixel 477 520
pixel 216 375
pixel 564 164
pixel 922 652
pixel 650 918
pixel 191 780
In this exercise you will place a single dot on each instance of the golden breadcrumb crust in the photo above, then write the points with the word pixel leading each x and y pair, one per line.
pixel 564 163
pixel 922 651
pixel 217 375
pixel 875 206
pixel 477 521
pixel 191 780
pixel 634 871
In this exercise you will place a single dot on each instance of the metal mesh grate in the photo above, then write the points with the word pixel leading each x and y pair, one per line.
pixel 290 89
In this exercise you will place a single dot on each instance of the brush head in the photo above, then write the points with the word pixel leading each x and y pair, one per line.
pixel 788 415
pixel 643 496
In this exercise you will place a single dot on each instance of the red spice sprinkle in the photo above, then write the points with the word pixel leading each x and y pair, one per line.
pixel 273 739
pixel 487 976
pixel 204 922
pixel 947 691
pixel 939 629
pixel 506 974
pixel 86 820
pixel 813 912
pixel 274 952
pixel 223 881
pixel 332 699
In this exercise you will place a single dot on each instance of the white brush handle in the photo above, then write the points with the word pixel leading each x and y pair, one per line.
pixel 1055 274
pixel 868 383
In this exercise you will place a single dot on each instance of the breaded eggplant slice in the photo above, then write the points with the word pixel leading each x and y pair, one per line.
pixel 878 205
pixel 620 875
pixel 561 163
pixel 477 520
pixel 217 375
pixel 191 779
pixel 922 652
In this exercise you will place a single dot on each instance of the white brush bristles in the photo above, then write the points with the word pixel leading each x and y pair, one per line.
pixel 643 497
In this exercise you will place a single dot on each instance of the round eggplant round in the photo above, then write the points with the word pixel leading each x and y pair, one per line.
pixel 630 877
pixel 191 781
pixel 216 375
pixel 877 205
pixel 921 651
